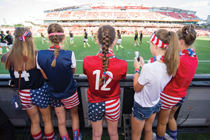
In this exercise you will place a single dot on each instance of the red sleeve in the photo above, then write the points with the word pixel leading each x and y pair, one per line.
pixel 84 66
pixel 125 70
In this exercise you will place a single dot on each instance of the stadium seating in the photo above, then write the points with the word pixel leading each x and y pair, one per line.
pixel 92 14
pixel 106 14
pixel 135 14
pixel 148 15
pixel 79 14
pixel 188 16
pixel 174 15
pixel 121 15
pixel 52 15
pixel 65 15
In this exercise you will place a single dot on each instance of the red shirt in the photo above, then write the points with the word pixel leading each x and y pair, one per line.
pixel 92 67
pixel 178 85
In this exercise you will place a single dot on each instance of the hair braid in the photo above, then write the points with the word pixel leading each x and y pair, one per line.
pixel 105 50
pixel 55 39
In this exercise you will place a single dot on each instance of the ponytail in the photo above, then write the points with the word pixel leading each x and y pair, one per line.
pixel 171 57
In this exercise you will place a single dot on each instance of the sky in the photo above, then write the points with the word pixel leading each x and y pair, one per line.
pixel 16 11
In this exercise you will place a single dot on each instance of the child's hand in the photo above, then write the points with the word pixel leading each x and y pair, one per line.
pixel 136 64
pixel 141 62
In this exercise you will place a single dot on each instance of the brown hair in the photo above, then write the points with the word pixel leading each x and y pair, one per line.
pixel 171 57
pixel 22 52
pixel 188 34
pixel 55 39
pixel 106 36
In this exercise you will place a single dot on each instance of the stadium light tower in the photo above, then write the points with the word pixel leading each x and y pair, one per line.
pixel 5 22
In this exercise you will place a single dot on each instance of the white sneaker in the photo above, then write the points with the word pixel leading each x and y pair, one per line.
pixel 168 137
pixel 154 136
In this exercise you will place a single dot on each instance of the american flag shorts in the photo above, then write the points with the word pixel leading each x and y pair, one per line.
pixel 109 109
pixel 69 102
pixel 25 99
pixel 169 101
pixel 41 96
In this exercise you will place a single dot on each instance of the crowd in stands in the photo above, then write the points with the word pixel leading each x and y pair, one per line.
pixel 121 15
pixel 147 29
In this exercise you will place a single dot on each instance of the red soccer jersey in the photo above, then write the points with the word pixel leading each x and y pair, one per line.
pixel 92 67
pixel 178 85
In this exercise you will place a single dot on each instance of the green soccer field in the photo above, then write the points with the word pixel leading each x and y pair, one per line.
pixel 202 46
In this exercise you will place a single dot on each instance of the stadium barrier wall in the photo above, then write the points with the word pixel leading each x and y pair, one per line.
pixel 193 112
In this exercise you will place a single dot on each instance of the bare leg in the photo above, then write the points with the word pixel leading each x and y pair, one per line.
pixel 97 130
pixel 163 116
pixel 148 127
pixel 136 128
pixel 112 129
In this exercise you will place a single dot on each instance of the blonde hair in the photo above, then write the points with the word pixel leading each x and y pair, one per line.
pixel 106 36
pixel 171 57
pixel 55 39
pixel 188 34
pixel 22 54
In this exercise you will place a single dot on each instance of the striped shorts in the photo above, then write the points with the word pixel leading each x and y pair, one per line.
pixel 68 103
pixel 25 99
pixel 109 109
pixel 169 101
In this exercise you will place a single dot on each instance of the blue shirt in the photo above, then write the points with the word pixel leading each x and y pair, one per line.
pixel 62 83
pixel 31 79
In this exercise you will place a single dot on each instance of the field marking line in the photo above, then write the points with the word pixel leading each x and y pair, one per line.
pixel 148 60
pixel 202 46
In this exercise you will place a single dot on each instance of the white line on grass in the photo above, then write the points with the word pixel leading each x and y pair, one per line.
pixel 148 60
pixel 203 46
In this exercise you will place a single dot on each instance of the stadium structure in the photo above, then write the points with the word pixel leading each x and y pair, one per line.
pixel 124 16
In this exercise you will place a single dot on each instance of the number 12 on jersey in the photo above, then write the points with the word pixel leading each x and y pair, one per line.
pixel 98 72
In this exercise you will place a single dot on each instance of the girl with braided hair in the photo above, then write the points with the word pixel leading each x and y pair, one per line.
pixel 104 72
pixel 58 66
pixel 175 92
pixel 34 92
pixel 154 76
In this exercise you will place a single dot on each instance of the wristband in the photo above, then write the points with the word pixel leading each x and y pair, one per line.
pixel 137 69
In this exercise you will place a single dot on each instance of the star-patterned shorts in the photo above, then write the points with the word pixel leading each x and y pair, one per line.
pixel 109 109
pixel 41 96
pixel 68 103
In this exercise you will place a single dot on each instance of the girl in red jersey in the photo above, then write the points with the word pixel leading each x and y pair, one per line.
pixel 174 93
pixel 104 72
pixel 34 92
pixel 154 76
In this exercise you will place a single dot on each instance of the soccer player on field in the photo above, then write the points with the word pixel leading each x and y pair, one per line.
pixel 141 36
pixel 135 38
pixel 3 41
pixel 9 40
pixel 71 38
pixel 119 40
pixel 92 35
pixel 85 38
pixel 104 72
pixel 43 38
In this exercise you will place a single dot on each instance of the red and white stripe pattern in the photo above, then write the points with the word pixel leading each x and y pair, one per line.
pixel 71 102
pixel 154 39
pixel 38 136
pixel 112 110
pixel 168 101
pixel 25 99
